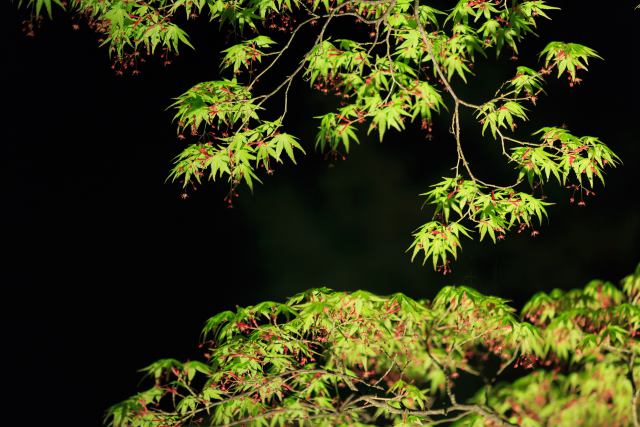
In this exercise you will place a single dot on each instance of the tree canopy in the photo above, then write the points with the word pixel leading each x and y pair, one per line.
pixel 354 359
pixel 404 63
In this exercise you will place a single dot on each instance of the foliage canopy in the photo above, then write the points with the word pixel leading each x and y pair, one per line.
pixel 334 358
pixel 353 359
pixel 402 65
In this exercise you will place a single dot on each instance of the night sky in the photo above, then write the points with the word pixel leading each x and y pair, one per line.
pixel 108 268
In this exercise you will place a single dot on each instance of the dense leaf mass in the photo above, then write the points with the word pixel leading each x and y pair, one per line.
pixel 404 64
pixel 334 358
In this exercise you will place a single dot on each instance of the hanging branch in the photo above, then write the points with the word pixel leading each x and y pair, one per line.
pixel 402 65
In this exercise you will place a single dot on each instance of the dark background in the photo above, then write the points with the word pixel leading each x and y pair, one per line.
pixel 107 268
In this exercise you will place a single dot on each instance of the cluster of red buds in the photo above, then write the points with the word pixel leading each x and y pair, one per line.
pixel 523 226
pixel 164 56
pixel 128 62
pixel 474 3
pixel 231 195
pixel 444 268
pixel 331 84
pixel 98 25
pixel 29 26
pixel 536 316
pixel 589 325
pixel 583 192
pixel 427 126
pixel 279 22
pixel 333 156
pixel 573 80
pixel 527 361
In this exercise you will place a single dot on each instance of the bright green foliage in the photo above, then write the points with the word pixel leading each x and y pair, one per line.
pixel 568 57
pixel 221 105
pixel 245 53
pixel 328 358
pixel 403 64
pixel 494 213
pixel 37 5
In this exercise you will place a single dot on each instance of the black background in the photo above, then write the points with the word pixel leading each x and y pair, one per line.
pixel 108 269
